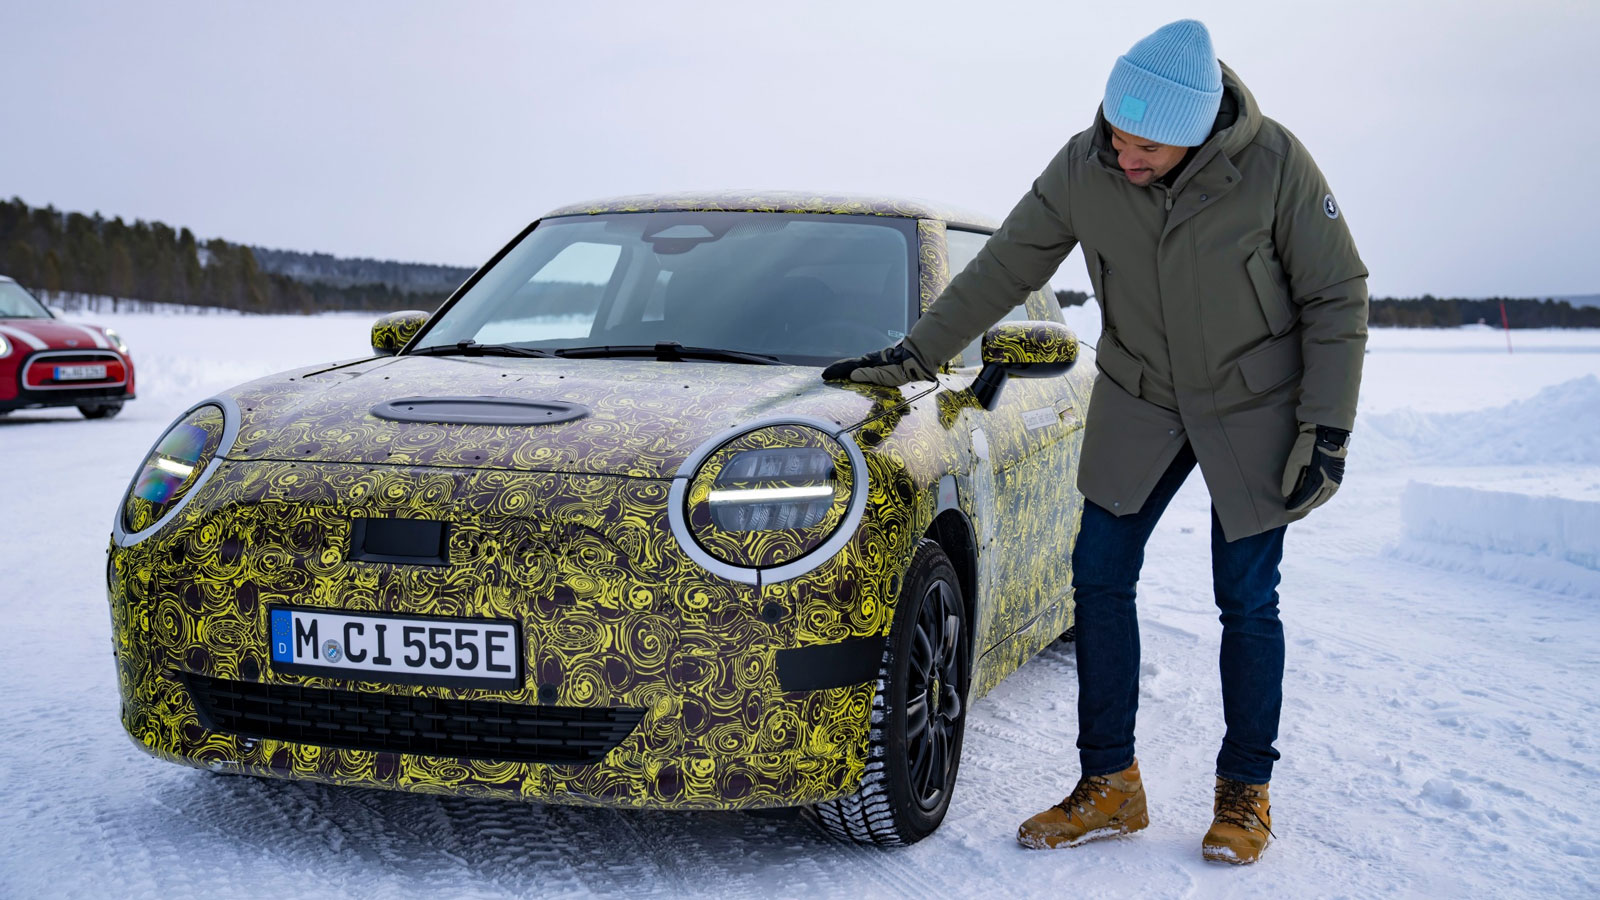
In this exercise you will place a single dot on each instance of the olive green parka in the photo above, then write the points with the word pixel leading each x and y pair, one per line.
pixel 1234 307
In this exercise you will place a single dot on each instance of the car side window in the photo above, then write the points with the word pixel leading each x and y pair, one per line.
pixel 963 247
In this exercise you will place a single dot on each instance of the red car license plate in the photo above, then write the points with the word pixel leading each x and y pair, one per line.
pixel 80 373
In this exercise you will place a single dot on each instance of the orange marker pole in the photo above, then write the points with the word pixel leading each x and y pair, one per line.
pixel 1506 324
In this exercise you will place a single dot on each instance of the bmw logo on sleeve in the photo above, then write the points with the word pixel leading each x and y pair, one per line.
pixel 1330 207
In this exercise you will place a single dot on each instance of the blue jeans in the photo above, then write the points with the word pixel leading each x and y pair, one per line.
pixel 1244 573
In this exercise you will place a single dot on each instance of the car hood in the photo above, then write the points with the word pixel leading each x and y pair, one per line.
pixel 640 418
pixel 53 334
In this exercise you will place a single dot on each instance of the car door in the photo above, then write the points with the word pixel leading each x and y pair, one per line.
pixel 1024 501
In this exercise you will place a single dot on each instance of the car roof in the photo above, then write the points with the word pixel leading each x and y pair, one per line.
pixel 780 202
pixel 8 278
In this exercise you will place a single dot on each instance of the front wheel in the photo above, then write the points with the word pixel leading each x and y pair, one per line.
pixel 918 714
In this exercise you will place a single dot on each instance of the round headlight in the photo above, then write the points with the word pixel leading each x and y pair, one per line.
pixel 763 499
pixel 174 467
pixel 116 341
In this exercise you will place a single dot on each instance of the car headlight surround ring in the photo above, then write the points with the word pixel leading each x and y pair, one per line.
pixel 769 496
pixel 116 341
pixel 688 474
pixel 208 459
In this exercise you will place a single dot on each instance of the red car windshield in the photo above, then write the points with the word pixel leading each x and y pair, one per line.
pixel 17 303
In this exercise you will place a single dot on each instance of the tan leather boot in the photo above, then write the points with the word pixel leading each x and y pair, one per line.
pixel 1100 806
pixel 1241 825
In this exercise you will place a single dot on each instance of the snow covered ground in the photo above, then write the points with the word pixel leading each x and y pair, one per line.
pixel 1438 736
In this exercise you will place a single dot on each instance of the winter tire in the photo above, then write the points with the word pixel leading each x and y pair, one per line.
pixel 99 410
pixel 918 714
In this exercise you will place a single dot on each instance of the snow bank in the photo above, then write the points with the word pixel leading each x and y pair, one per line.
pixel 1560 424
pixel 1540 540
pixel 1510 493
pixel 78 305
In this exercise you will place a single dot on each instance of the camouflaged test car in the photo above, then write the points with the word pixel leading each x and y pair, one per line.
pixel 596 532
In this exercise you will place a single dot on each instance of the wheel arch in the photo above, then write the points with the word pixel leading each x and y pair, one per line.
pixel 952 531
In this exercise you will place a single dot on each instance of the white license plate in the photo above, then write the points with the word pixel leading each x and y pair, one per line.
pixel 80 373
pixel 365 647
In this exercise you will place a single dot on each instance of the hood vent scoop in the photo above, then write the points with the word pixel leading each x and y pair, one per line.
pixel 479 411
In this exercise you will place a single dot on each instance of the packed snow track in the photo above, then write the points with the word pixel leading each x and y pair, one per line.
pixel 1438 732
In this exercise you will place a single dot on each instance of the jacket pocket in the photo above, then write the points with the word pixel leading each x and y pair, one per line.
pixel 1118 364
pixel 1096 264
pixel 1266 368
pixel 1271 293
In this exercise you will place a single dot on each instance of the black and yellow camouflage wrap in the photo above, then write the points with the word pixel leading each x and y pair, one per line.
pixel 395 330
pixel 779 202
pixel 567 530
pixel 1030 343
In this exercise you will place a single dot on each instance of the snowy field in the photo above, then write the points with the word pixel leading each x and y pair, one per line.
pixel 1439 733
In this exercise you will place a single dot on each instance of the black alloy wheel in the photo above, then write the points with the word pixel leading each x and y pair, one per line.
pixel 918 713
pixel 933 708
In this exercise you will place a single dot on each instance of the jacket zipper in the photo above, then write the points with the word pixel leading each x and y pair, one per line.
pixel 1105 295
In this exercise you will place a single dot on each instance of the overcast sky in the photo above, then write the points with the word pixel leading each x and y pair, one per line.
pixel 1461 138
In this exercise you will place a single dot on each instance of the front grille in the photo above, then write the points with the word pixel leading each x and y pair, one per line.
pixel 469 729
pixel 38 372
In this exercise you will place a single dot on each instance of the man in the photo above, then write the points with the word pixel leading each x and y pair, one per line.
pixel 1234 311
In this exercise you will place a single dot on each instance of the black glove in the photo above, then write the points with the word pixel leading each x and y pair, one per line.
pixel 890 367
pixel 1315 468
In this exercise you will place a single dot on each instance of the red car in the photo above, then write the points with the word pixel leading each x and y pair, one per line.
pixel 48 361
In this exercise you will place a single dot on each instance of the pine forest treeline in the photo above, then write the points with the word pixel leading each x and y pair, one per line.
pixel 61 254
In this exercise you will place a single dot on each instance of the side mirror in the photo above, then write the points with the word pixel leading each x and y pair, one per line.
pixel 1030 349
pixel 395 330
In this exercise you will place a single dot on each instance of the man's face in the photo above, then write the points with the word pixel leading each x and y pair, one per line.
pixel 1141 160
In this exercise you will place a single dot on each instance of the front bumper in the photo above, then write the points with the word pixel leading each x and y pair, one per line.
pixel 90 395
pixel 612 615
pixel 25 382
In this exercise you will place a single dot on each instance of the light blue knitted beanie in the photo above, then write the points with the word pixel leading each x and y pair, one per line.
pixel 1167 87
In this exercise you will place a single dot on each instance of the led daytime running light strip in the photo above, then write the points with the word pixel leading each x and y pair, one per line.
pixel 770 494
pixel 174 467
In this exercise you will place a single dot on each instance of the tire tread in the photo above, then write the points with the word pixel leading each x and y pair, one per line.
pixel 868 815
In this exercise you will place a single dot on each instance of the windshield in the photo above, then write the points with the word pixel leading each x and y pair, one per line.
pixel 17 303
pixel 807 289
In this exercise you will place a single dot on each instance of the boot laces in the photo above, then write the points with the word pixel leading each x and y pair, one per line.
pixel 1234 806
pixel 1083 795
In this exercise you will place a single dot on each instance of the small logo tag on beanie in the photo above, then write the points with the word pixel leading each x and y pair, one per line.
pixel 1330 207
pixel 1132 108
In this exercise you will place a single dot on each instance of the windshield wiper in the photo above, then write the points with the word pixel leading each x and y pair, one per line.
pixel 473 348
pixel 669 351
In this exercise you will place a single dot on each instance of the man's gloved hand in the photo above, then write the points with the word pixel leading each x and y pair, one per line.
pixel 1316 466
pixel 890 367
